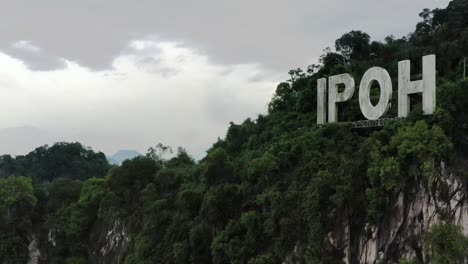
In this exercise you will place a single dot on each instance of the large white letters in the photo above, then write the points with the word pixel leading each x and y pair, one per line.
pixel 426 86
pixel 335 97
pixel 406 87
pixel 321 102
pixel 381 76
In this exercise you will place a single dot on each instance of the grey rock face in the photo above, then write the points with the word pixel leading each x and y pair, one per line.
pixel 405 225
pixel 401 232
pixel 409 219
pixel 109 243
pixel 34 251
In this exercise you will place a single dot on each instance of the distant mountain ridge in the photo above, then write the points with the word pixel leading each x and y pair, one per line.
pixel 122 155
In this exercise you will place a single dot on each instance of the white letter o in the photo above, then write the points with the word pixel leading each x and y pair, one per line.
pixel 381 76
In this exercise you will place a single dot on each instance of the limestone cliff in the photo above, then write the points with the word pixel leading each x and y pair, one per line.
pixel 402 232
pixel 401 235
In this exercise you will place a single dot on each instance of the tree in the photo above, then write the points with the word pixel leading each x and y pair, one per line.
pixel 157 152
pixel 447 244
pixel 61 160
pixel 354 45
pixel 17 203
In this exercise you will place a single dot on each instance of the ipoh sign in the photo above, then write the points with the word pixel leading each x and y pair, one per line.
pixel 406 87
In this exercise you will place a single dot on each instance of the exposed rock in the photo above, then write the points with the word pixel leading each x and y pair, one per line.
pixel 401 235
pixel 51 238
pixel 109 243
pixel 34 251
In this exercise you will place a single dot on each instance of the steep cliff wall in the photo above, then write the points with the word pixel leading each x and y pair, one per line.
pixel 108 243
pixel 402 232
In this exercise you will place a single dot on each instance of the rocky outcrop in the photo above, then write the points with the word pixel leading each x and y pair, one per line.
pixel 109 242
pixel 401 235
pixel 402 230
pixel 34 251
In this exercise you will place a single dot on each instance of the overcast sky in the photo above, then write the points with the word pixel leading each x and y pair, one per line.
pixel 116 74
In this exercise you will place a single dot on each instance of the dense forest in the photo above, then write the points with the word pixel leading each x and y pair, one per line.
pixel 276 189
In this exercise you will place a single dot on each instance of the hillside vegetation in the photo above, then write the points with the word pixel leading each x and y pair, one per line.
pixel 277 188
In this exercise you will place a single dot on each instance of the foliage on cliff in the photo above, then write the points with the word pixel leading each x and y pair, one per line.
pixel 273 185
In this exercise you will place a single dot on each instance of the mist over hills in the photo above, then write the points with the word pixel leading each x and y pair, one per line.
pixel 23 139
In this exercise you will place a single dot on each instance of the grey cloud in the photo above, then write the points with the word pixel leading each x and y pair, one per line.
pixel 132 105
pixel 279 34
pixel 33 56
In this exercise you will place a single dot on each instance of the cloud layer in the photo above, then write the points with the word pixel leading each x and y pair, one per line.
pixel 153 92
pixel 279 34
